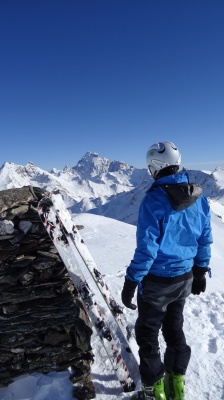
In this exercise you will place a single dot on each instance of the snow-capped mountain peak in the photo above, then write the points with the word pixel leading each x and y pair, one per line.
pixel 100 186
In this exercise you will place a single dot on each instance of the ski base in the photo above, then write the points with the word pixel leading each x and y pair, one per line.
pixel 103 321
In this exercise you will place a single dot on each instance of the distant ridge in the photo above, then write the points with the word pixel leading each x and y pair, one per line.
pixel 110 188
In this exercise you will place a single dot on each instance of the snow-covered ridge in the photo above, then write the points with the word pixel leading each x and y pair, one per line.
pixel 110 188
pixel 112 244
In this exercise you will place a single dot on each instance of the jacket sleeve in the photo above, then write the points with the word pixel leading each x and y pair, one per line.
pixel 203 255
pixel 148 233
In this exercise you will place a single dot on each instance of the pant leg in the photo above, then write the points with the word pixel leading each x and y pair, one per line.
pixel 147 328
pixel 177 354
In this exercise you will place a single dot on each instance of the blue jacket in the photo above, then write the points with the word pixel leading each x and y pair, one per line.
pixel 173 231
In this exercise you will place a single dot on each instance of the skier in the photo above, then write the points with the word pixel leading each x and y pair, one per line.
pixel 170 261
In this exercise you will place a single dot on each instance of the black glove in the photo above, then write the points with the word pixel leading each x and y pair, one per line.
pixel 199 280
pixel 127 293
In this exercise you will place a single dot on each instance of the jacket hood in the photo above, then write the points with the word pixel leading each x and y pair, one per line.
pixel 180 177
pixel 181 193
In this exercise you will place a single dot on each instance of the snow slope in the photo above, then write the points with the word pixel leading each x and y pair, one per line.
pixel 112 244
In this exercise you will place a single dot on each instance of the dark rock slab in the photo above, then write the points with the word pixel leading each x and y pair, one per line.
pixel 43 325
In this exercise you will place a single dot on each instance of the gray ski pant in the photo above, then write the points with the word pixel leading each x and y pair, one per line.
pixel 161 307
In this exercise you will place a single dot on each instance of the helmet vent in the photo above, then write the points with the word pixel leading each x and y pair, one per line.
pixel 161 148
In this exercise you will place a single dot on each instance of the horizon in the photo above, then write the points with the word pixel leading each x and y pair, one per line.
pixel 72 166
pixel 114 77
pixel 182 166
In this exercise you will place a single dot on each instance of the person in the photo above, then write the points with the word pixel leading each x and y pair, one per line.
pixel 171 260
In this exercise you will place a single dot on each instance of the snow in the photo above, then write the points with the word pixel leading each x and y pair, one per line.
pixel 115 189
pixel 112 245
pixel 218 174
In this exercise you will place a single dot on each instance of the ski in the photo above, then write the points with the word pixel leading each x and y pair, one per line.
pixel 102 320
pixel 89 262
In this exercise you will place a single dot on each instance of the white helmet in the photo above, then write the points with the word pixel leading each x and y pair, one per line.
pixel 162 155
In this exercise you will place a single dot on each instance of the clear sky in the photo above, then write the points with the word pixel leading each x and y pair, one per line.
pixel 111 77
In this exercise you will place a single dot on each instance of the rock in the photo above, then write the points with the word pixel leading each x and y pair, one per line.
pixel 43 325
pixel 6 227
pixel 25 226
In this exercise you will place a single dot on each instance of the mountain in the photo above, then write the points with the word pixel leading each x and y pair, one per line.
pixel 97 185
pixel 112 244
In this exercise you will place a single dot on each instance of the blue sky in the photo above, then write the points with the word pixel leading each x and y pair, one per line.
pixel 111 77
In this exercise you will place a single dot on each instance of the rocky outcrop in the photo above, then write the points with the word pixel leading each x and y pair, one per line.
pixel 43 325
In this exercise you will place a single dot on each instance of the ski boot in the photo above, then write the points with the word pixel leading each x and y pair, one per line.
pixel 174 386
pixel 154 392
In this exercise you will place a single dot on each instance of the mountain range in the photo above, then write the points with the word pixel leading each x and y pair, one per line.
pixel 97 185
pixel 115 189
